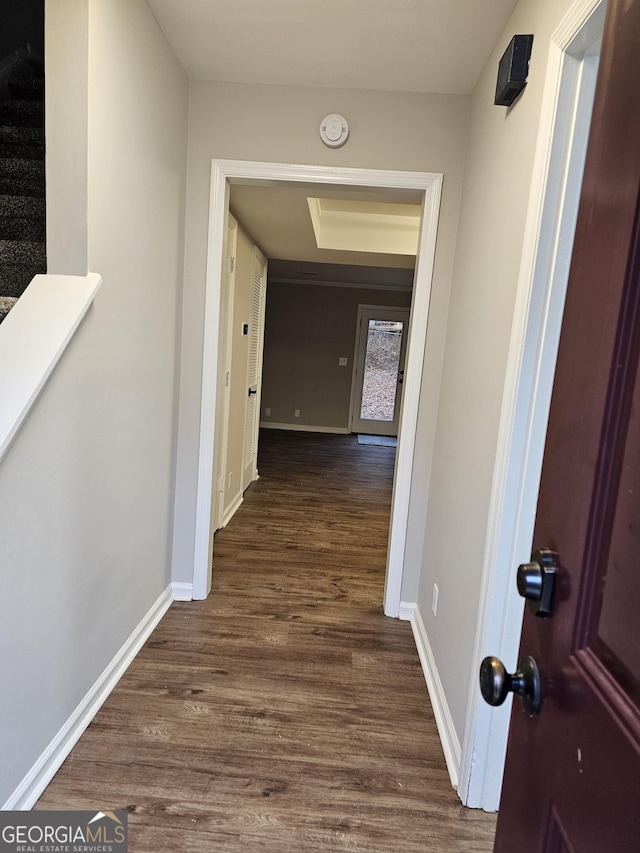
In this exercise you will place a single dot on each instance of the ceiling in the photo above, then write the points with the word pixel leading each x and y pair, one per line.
pixel 389 45
pixel 279 221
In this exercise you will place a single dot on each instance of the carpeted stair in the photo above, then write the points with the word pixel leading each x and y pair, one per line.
pixel 22 186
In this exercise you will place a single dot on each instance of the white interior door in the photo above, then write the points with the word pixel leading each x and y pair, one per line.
pixel 254 370
pixel 222 412
pixel 381 343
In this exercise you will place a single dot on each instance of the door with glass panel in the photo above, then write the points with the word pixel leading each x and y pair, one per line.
pixel 381 343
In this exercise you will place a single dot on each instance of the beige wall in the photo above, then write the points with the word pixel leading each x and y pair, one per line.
pixel 388 131
pixel 307 329
pixel 86 489
pixel 496 189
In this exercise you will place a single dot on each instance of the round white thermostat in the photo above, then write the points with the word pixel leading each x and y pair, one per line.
pixel 334 130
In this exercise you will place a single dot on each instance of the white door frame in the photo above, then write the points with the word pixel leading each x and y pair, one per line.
pixel 359 356
pixel 542 282
pixel 225 171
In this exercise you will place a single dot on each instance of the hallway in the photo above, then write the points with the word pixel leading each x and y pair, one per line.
pixel 285 713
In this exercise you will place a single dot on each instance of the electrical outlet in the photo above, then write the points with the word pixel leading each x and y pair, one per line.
pixel 296 413
pixel 342 362
pixel 267 412
pixel 434 602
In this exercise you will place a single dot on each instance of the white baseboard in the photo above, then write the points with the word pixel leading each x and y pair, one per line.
pixel 182 591
pixel 406 611
pixel 444 720
pixel 305 428
pixel 48 764
pixel 229 513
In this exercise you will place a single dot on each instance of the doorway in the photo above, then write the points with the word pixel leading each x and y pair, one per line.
pixel 225 172
pixel 378 370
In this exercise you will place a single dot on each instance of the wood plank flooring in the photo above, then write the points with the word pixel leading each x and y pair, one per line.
pixel 285 713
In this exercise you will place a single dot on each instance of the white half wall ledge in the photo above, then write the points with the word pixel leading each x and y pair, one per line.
pixel 33 337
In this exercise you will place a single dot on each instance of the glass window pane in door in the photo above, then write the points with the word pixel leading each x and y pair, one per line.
pixel 384 340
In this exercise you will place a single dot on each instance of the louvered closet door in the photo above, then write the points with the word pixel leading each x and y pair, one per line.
pixel 254 371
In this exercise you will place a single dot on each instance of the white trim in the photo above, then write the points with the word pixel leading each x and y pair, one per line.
pixel 33 337
pixel 48 764
pixel 355 285
pixel 304 428
pixel 354 369
pixel 411 397
pixel 203 538
pixel 390 229
pixel 406 610
pixel 233 508
pixel 441 712
pixel 548 238
pixel 181 591
pixel 223 171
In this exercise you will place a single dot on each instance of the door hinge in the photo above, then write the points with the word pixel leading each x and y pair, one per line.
pixel 232 263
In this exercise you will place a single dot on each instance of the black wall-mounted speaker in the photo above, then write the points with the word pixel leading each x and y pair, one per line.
pixel 513 70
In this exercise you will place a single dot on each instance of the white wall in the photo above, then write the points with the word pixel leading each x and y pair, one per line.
pixel 86 488
pixel 388 131
pixel 496 188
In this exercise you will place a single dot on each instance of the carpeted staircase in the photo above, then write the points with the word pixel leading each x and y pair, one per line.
pixel 22 184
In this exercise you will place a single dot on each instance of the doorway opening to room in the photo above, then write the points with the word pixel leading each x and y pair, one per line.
pixel 297 355
pixel 378 370
pixel 427 187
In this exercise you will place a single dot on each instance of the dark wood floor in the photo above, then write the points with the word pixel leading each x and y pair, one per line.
pixel 285 713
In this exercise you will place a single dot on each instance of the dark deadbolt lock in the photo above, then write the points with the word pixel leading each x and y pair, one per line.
pixel 496 683
pixel 537 581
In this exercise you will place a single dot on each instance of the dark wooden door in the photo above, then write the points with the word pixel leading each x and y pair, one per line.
pixel 572 779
